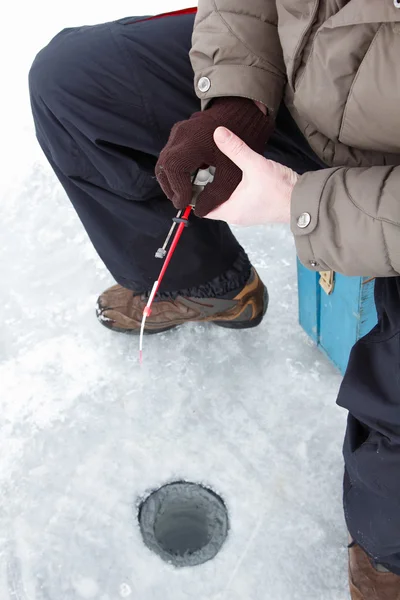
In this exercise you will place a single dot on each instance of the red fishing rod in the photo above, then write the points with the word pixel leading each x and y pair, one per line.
pixel 199 182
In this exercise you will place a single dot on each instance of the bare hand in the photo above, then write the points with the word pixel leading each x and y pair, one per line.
pixel 264 194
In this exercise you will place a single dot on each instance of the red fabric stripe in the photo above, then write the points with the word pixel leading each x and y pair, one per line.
pixel 175 13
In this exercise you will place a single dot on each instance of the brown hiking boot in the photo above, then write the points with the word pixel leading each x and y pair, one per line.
pixel 368 580
pixel 121 310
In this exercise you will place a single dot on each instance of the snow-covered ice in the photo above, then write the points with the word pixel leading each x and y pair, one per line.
pixel 85 432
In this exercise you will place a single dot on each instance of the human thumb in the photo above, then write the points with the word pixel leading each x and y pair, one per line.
pixel 234 148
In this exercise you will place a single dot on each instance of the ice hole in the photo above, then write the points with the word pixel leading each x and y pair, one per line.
pixel 184 523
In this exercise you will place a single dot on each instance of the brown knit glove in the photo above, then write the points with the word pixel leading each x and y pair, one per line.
pixel 191 146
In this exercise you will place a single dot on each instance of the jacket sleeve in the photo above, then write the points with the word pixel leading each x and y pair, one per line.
pixel 348 220
pixel 237 48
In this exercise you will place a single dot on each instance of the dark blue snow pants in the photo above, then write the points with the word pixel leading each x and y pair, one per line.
pixel 371 392
pixel 104 99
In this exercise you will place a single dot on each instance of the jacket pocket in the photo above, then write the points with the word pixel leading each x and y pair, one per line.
pixel 370 118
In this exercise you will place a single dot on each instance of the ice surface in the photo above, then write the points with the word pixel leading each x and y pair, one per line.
pixel 85 432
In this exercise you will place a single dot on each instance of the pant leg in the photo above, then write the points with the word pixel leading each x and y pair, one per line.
pixel 371 393
pixel 104 99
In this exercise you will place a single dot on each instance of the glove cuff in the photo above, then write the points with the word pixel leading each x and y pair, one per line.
pixel 243 117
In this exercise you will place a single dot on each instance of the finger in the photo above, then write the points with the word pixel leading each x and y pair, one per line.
pixel 162 179
pixel 227 178
pixel 181 184
pixel 234 148
pixel 176 183
pixel 233 209
pixel 218 214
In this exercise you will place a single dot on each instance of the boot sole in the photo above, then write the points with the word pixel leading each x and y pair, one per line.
pixel 249 324
pixel 137 331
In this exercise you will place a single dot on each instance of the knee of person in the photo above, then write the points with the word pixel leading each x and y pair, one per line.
pixel 54 66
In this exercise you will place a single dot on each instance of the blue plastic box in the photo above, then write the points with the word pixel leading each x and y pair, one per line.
pixel 335 314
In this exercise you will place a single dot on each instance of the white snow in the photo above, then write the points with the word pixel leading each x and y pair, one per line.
pixel 85 432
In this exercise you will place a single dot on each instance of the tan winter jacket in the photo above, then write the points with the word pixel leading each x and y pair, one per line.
pixel 336 63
